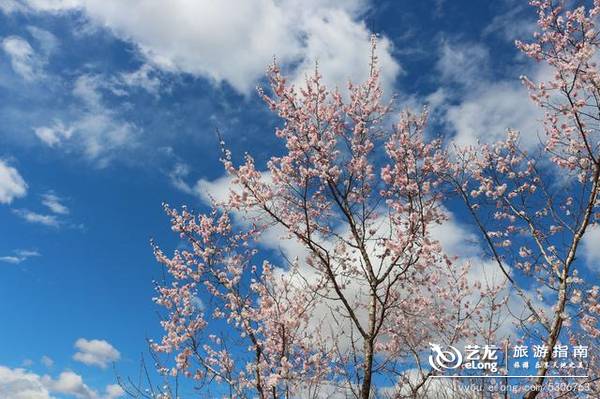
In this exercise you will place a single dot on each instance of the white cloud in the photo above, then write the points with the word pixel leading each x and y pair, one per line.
pixel 86 88
pixel 50 5
pixel 97 131
pixel 27 253
pixel 206 190
pixel 10 6
pixel 47 361
pixel 234 44
pixel 23 59
pixel 53 202
pixel 177 177
pixel 101 134
pixel 217 190
pixel 95 352
pixel 47 41
pixel 510 25
pixel 475 106
pixel 456 238
pixel 342 46
pixel 114 391
pixel 53 135
pixel 490 110
pixel 39 218
pixel 145 77
pixel 72 384
pixel 20 255
pixel 12 184
pixel 591 249
pixel 462 64
pixel 21 384
pixel 11 259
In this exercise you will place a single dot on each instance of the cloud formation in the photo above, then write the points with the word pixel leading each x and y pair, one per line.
pixel 70 383
pixel 591 249
pixel 20 255
pixel 47 361
pixel 234 44
pixel 475 106
pixel 20 383
pixel 53 202
pixel 53 219
pixel 23 59
pixel 95 352
pixel 37 218
pixel 12 184
pixel 96 130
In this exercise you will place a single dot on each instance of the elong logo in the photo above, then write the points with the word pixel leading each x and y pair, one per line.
pixel 448 359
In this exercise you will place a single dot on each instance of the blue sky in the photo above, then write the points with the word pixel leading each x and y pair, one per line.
pixel 108 108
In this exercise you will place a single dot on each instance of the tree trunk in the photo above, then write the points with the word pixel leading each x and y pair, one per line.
pixel 369 349
pixel 365 390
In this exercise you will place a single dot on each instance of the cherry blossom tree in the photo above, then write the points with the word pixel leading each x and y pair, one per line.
pixel 368 288
pixel 360 287
pixel 534 208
